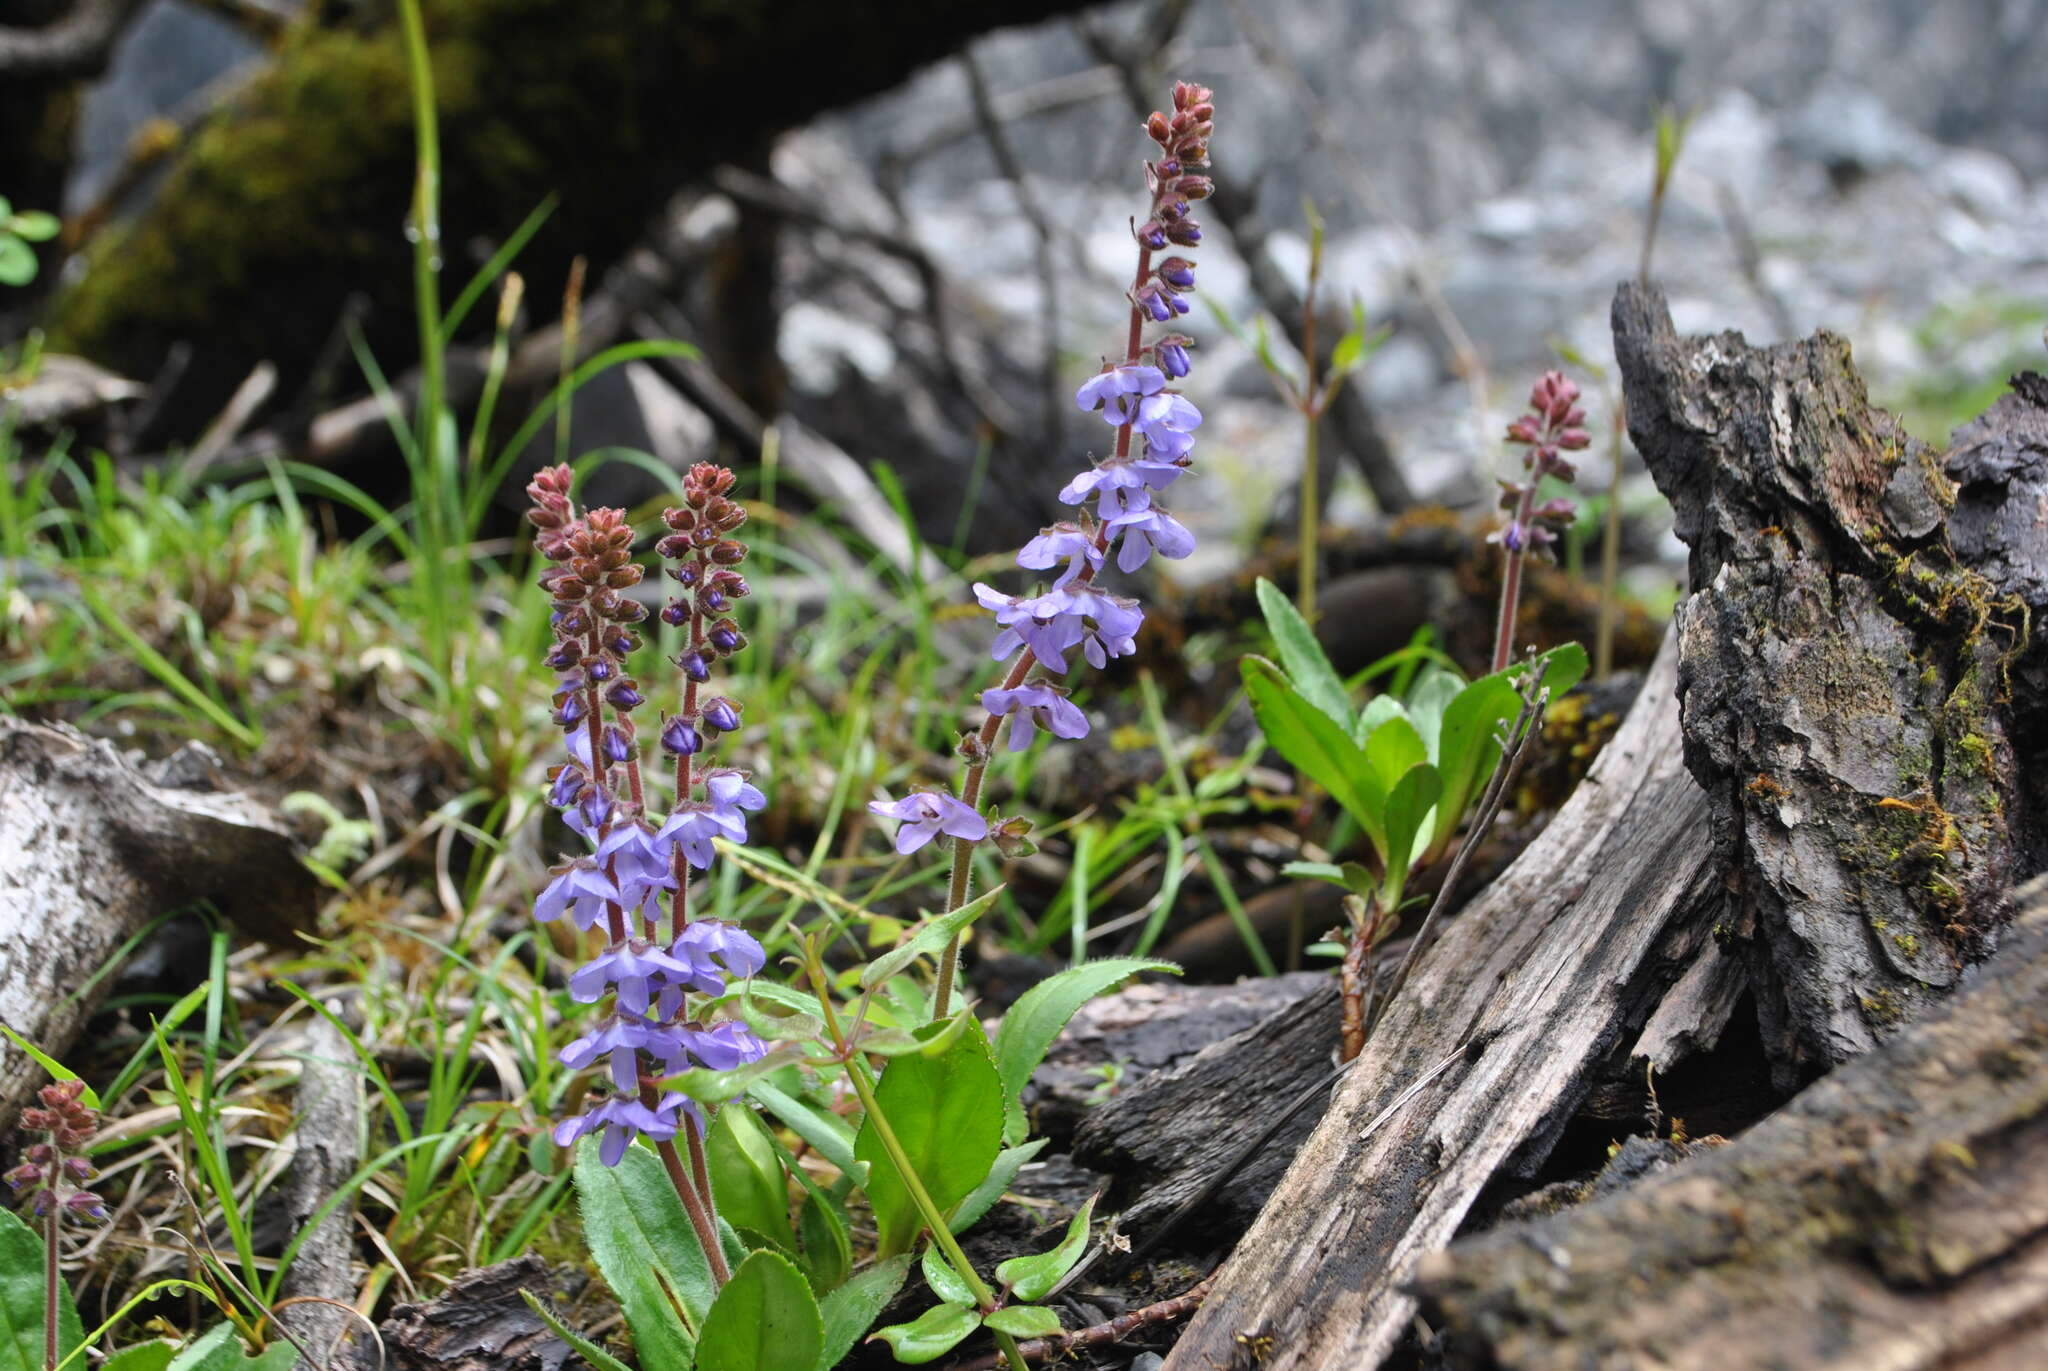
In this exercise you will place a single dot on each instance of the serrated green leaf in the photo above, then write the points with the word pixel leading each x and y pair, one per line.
pixel 983 1197
pixel 947 1113
pixel 949 1285
pixel 1301 656
pixel 765 1318
pixel 1316 746
pixel 583 1347
pixel 642 1240
pixel 854 1306
pixel 1033 1277
pixel 929 940
pixel 21 1300
pixel 1032 1024
pixel 746 1174
pixel 930 1335
pixel 1024 1321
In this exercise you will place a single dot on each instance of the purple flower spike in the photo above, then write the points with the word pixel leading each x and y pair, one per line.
pixel 715 951
pixel 581 891
pixel 1036 706
pixel 622 1119
pixel 927 813
pixel 1146 531
pixel 1116 392
pixel 723 1046
pixel 723 715
pixel 1172 358
pixel 680 738
pixel 729 789
pixel 638 968
pixel 1062 541
pixel 621 1038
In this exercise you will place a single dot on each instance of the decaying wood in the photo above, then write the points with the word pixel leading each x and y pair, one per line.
pixel 1145 1029
pixel 1549 972
pixel 1844 675
pixel 91 850
pixel 1173 1130
pixel 479 1324
pixel 1861 712
pixel 1893 1217
pixel 327 1122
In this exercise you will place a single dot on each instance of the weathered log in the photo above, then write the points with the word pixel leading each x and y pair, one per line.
pixel 1556 967
pixel 91 850
pixel 1176 1129
pixel 327 1123
pixel 1859 707
pixel 479 1324
pixel 1844 669
pixel 1893 1216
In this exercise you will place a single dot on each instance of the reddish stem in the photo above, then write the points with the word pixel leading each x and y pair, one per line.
pixel 1511 584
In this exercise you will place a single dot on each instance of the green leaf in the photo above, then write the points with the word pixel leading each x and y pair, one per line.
pixel 984 1196
pixel 582 1346
pixel 930 1335
pixel 1561 668
pixel 34 225
pixel 17 261
pixel 1024 1321
pixel 715 1087
pixel 1029 1028
pixel 949 1285
pixel 1467 752
pixel 56 1069
pixel 220 1349
pixel 1318 748
pixel 765 1320
pixel 21 1300
pixel 1033 1277
pixel 853 1307
pixel 746 1174
pixel 827 1250
pixel 822 1129
pixel 1379 710
pixel 1301 656
pixel 1408 805
pixel 154 1355
pixel 928 940
pixel 791 1024
pixel 947 1113
pixel 646 1248
pixel 1428 701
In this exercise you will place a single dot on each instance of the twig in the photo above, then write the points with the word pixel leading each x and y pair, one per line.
pixel 1101 1334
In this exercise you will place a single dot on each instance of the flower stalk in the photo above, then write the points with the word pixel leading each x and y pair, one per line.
pixel 51 1177
pixel 646 976
pixel 1038 633
pixel 1554 425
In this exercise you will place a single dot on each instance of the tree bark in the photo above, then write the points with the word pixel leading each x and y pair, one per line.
pixel 1846 672
pixel 1893 1217
pixel 91 850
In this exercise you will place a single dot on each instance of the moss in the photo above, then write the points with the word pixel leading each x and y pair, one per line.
pixel 1907 944
pixel 1882 1007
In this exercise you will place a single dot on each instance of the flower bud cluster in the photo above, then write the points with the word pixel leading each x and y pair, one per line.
pixel 1554 425
pixel 638 859
pixel 51 1175
pixel 1154 426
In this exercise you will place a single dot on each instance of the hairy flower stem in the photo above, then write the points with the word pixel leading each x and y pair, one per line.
pixel 1511 587
pixel 1310 560
pixel 52 1289
pixel 863 1086
pixel 702 1220
pixel 970 781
